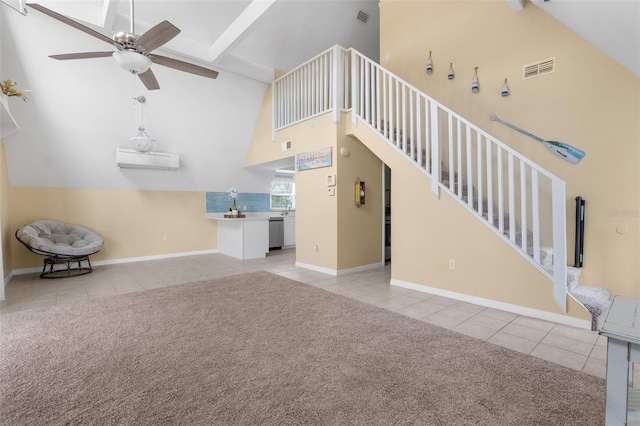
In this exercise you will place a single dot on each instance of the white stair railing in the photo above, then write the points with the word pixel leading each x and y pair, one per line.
pixel 320 85
pixel 520 201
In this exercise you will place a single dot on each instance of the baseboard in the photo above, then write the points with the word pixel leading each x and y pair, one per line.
pixel 154 257
pixel 8 278
pixel 508 307
pixel 339 272
pixel 118 261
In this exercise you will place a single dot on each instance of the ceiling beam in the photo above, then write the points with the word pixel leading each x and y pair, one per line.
pixel 19 5
pixel 109 13
pixel 234 34
pixel 516 5
pixel 86 11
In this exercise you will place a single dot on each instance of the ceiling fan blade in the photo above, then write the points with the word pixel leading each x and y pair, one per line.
pixel 149 80
pixel 156 37
pixel 86 55
pixel 72 23
pixel 183 66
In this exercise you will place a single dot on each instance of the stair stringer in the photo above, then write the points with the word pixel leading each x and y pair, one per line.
pixel 396 158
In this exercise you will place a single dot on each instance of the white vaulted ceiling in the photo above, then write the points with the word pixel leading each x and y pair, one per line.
pixel 251 38
pixel 613 26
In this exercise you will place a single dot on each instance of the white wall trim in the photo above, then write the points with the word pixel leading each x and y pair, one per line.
pixel 339 272
pixel 117 261
pixel 7 279
pixel 516 5
pixel 508 307
pixel 154 257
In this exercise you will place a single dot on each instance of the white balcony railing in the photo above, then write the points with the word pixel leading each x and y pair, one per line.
pixel 520 201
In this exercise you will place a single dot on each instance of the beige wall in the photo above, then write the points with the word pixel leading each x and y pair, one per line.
pixel 426 232
pixel 316 212
pixel 346 236
pixel 590 101
pixel 359 228
pixel 131 222
pixel 263 148
pixel 5 228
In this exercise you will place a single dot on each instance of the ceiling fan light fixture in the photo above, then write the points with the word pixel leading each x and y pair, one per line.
pixel 133 62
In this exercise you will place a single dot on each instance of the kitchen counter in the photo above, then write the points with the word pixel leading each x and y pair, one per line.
pixel 249 216
pixel 242 238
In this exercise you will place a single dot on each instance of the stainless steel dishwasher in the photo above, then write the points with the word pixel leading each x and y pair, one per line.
pixel 276 232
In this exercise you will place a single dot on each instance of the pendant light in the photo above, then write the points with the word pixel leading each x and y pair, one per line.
pixel 142 142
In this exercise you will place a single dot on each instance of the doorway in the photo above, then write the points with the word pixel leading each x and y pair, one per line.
pixel 387 212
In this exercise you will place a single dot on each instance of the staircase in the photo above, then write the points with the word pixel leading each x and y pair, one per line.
pixel 593 299
pixel 522 203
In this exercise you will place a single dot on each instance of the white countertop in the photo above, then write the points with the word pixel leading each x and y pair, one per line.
pixel 249 216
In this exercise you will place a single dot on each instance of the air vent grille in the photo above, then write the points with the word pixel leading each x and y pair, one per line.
pixel 539 68
pixel 363 17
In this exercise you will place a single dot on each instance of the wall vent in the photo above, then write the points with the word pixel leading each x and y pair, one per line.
pixel 363 17
pixel 539 68
pixel 286 146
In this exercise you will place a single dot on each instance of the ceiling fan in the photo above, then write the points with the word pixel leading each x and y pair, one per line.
pixel 134 51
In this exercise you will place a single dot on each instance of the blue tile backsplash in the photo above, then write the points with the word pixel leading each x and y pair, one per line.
pixel 218 202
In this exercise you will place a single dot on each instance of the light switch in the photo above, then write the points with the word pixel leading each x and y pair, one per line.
pixel 332 192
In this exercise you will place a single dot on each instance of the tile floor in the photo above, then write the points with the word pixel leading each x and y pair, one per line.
pixel 578 349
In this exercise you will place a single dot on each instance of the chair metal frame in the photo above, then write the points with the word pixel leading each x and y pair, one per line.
pixel 69 261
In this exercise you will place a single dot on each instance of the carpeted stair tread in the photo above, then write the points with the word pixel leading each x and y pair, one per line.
pixel 496 219
pixel 595 299
pixel 573 275
pixel 546 257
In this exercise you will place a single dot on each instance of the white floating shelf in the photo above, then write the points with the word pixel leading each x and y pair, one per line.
pixel 132 159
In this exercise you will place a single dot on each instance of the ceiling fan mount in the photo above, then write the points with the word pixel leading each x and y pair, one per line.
pixel 125 39
pixel 134 52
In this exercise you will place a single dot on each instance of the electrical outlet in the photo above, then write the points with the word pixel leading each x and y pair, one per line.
pixel 452 264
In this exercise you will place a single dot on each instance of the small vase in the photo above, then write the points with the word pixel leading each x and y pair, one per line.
pixel 475 84
pixel 505 88
pixel 234 212
pixel 429 64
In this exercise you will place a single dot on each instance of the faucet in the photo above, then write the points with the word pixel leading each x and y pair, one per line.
pixel 287 209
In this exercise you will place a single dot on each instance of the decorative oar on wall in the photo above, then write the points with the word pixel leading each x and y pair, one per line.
pixel 565 151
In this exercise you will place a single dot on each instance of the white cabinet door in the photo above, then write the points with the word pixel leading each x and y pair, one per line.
pixel 289 232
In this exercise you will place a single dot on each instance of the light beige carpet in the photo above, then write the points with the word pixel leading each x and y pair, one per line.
pixel 262 349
